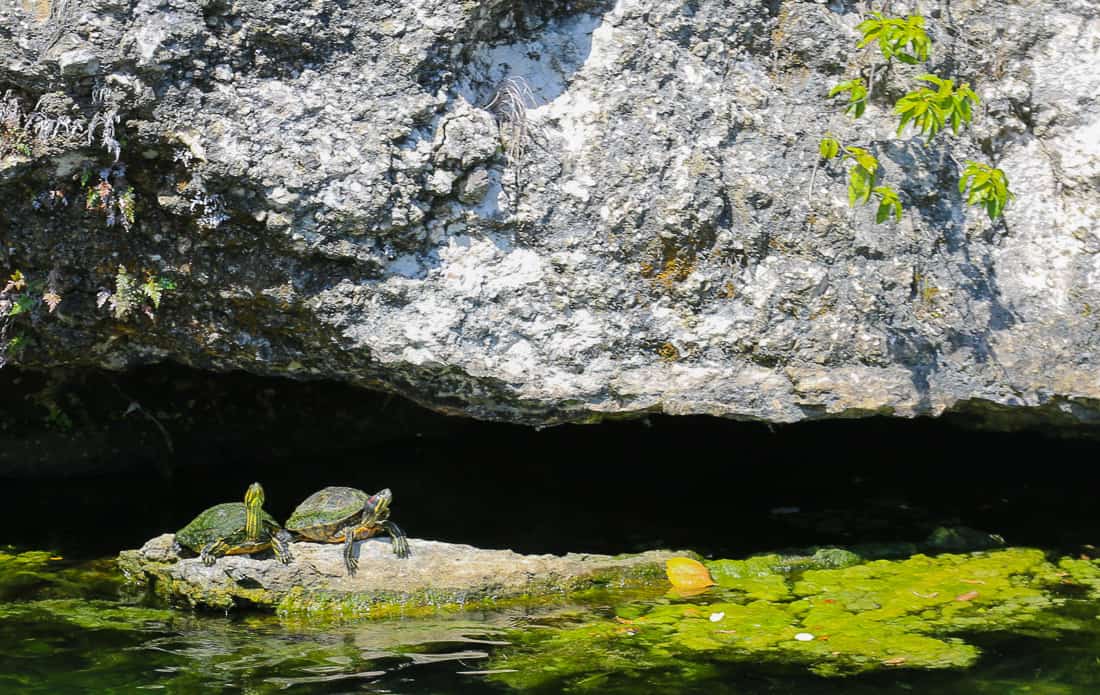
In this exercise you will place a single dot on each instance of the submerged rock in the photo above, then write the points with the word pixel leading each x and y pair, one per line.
pixel 436 576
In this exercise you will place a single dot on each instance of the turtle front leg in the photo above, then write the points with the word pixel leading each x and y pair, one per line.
pixel 212 551
pixel 280 543
pixel 350 563
pixel 398 541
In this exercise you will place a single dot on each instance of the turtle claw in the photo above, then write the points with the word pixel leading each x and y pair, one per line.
pixel 350 563
pixel 280 545
pixel 401 547
pixel 398 541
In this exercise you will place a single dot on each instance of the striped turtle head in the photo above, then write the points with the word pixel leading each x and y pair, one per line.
pixel 254 496
pixel 253 506
pixel 377 507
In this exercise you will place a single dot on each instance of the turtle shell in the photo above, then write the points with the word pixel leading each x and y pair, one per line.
pixel 224 521
pixel 326 511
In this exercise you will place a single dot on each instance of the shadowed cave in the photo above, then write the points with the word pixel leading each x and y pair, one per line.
pixel 116 458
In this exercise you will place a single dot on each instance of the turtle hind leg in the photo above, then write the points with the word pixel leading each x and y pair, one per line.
pixel 280 543
pixel 398 541
pixel 212 551
pixel 350 563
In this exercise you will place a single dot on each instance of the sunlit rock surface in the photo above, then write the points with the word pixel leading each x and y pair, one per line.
pixel 325 185
pixel 435 576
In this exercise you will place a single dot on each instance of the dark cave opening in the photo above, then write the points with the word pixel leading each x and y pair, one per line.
pixel 95 462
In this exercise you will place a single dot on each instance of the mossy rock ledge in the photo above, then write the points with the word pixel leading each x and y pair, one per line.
pixel 437 576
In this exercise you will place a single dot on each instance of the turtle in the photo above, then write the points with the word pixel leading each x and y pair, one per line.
pixel 234 528
pixel 345 515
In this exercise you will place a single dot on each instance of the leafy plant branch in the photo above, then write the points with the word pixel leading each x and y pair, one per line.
pixel 904 39
pixel 929 109
pixel 988 188
pixel 862 177
pixel 857 96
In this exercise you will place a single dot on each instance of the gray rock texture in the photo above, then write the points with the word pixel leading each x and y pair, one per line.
pixel 436 575
pixel 348 190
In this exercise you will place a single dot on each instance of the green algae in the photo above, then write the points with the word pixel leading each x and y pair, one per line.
pixel 920 615
pixel 21 571
pixel 756 577
pixel 40 574
pixel 88 614
pixel 300 605
pixel 915 613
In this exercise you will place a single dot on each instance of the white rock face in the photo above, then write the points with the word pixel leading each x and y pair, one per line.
pixel 632 232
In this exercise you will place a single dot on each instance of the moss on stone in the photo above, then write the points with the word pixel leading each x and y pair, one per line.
pixel 330 606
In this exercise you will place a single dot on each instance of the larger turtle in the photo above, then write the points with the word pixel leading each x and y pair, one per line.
pixel 345 515
pixel 234 528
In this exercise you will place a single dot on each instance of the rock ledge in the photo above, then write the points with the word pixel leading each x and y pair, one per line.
pixel 436 576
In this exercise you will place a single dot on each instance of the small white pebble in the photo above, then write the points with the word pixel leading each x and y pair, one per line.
pixel 804 637
pixel 715 617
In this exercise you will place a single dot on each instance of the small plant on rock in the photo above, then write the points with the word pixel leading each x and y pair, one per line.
pixel 857 96
pixel 904 39
pixel 509 105
pixel 111 196
pixel 131 295
pixel 19 298
pixel 929 109
pixel 862 177
pixel 988 188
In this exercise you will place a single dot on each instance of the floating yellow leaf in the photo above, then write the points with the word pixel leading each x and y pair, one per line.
pixel 687 574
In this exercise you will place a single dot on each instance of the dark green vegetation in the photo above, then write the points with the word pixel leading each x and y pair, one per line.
pixel 914 613
pixel 830 622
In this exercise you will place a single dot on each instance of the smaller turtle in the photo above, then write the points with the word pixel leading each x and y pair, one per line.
pixel 345 515
pixel 234 528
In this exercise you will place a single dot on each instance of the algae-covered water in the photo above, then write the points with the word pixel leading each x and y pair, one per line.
pixel 899 615
pixel 999 621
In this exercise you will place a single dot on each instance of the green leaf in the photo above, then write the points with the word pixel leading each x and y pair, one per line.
pixel 23 304
pixel 829 148
pixel 930 110
pixel 889 202
pixel 862 157
pixel 905 40
pixel 860 181
pixel 857 95
pixel 988 188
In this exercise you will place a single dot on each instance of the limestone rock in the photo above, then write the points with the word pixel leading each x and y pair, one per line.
pixel 334 192
pixel 435 575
